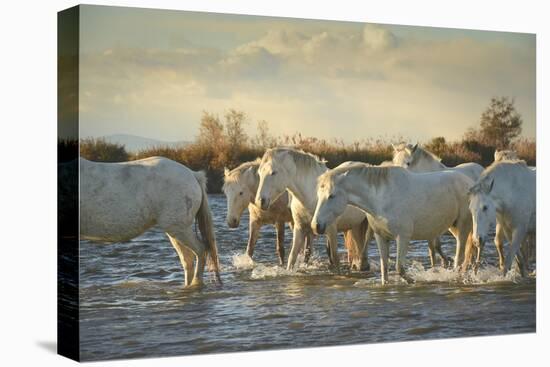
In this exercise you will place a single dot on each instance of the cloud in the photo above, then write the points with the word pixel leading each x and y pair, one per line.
pixel 310 79
pixel 378 38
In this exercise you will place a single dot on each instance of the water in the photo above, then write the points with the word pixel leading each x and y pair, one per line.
pixel 133 303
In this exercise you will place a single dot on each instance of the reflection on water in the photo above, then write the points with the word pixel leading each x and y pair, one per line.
pixel 133 303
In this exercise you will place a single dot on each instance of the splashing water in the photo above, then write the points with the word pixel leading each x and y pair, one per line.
pixel 242 262
pixel 133 286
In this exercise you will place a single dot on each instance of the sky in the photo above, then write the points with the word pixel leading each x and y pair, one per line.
pixel 153 73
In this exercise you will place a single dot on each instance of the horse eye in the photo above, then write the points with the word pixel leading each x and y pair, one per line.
pixel 241 193
pixel 331 196
pixel 484 208
pixel 408 163
pixel 273 173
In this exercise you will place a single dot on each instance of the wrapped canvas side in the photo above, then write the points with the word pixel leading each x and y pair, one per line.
pixel 67 184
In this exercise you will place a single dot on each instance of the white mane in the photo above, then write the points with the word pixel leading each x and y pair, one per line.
pixel 499 171
pixel 505 155
pixel 235 174
pixel 304 161
pixel 374 175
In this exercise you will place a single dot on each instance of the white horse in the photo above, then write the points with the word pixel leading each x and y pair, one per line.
pixel 418 159
pixel 240 186
pixel 500 155
pixel 400 205
pixel 505 155
pixel 506 191
pixel 284 169
pixel 119 201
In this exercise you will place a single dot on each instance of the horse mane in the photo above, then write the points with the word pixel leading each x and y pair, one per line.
pixel 502 167
pixel 505 154
pixel 304 161
pixel 235 174
pixel 498 169
pixel 375 176
pixel 418 153
pixel 423 153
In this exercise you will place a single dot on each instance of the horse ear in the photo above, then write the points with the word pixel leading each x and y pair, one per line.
pixel 225 171
pixel 473 189
pixel 487 185
pixel 490 186
pixel 393 147
pixel 413 149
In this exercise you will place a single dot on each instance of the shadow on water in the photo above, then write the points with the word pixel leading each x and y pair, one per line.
pixel 133 303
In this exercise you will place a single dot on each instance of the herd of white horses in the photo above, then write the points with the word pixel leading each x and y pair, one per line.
pixel 412 197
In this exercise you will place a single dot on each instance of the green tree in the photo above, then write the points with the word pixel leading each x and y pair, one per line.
pixel 500 123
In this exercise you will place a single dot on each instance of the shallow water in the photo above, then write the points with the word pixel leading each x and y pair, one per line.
pixel 133 304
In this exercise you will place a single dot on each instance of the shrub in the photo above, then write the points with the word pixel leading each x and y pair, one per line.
pixel 100 150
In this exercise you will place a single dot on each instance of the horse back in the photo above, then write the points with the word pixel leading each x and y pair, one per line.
pixel 122 200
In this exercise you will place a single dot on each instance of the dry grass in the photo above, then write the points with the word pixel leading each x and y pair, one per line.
pixel 230 152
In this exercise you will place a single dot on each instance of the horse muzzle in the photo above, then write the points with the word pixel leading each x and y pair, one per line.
pixel 232 222
pixel 263 203
pixel 318 228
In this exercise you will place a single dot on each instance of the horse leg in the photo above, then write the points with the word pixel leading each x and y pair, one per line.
pixel 522 257
pixel 383 250
pixel 308 247
pixel 253 232
pixel 401 261
pixel 298 240
pixel 461 239
pixel 445 260
pixel 499 242
pixel 329 255
pixel 350 248
pixel 359 239
pixel 463 243
pixel 518 235
pixel 194 244
pixel 431 251
pixel 187 258
pixel 280 227
pixel 368 238
pixel 332 240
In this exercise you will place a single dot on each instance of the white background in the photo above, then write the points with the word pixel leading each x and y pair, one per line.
pixel 28 181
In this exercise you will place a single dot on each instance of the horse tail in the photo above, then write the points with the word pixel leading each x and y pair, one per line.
pixel 206 227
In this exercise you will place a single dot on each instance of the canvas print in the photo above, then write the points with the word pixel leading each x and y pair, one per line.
pixel 236 183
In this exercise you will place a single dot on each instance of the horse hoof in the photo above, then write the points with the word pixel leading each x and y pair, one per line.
pixel 196 283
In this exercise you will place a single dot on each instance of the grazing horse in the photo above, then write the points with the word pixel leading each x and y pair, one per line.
pixel 418 159
pixel 240 186
pixel 289 169
pixel 506 191
pixel 119 201
pixel 400 205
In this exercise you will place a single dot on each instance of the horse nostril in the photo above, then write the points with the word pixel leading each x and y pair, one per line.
pixel 320 228
pixel 263 202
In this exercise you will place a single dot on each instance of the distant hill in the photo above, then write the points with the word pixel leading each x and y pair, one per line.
pixel 134 143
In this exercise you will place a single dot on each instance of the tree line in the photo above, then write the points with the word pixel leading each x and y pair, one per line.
pixel 223 142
